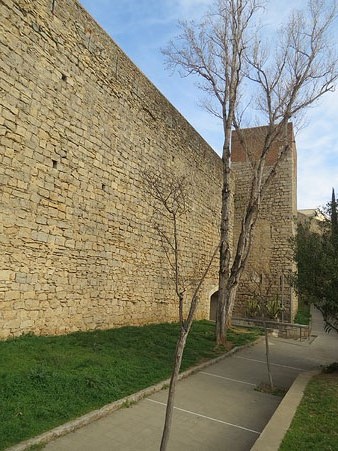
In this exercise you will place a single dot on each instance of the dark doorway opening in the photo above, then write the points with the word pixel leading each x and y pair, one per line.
pixel 213 306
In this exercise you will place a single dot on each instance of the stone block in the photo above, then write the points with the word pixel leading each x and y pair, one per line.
pixel 6 275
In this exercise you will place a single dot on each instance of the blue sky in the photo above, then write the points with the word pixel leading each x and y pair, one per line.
pixel 142 28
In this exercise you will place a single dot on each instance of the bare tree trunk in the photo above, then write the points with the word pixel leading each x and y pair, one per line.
pixel 268 356
pixel 224 264
pixel 224 252
pixel 238 265
pixel 172 388
pixel 231 297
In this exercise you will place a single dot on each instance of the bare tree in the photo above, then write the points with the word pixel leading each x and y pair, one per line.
pixel 169 194
pixel 236 71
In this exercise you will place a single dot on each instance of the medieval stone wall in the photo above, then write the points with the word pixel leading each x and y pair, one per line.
pixel 79 126
pixel 270 262
pixel 79 123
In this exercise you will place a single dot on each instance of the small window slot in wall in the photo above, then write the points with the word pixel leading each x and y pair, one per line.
pixel 55 164
pixel 63 77
pixel 104 187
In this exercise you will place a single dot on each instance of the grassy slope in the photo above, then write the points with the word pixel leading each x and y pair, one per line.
pixel 315 425
pixel 46 381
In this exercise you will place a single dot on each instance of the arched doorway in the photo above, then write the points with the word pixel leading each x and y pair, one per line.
pixel 213 306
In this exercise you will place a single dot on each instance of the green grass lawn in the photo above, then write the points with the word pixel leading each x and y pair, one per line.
pixel 46 381
pixel 315 425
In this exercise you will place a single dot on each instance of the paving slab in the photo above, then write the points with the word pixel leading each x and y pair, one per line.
pixel 210 413
pixel 215 409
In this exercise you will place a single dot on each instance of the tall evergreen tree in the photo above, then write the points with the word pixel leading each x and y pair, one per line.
pixel 334 219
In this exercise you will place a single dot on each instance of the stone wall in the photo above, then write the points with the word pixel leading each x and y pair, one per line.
pixel 270 262
pixel 79 125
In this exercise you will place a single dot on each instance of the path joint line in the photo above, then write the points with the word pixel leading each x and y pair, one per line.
pixel 206 417
pixel 274 364
pixel 228 378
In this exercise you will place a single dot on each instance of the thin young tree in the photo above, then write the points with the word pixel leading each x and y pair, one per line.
pixel 236 70
pixel 168 193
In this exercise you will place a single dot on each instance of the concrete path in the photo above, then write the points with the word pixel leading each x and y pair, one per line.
pixel 215 409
